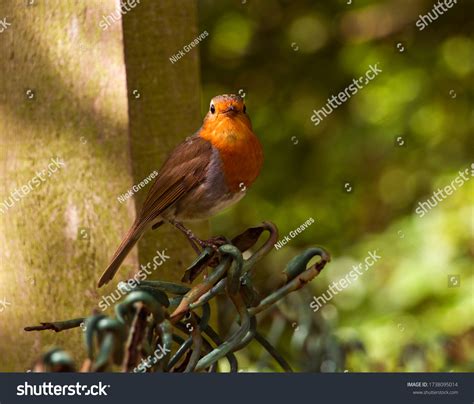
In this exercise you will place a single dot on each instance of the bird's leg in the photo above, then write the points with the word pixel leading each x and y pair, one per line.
pixel 214 242
pixel 183 229
pixel 193 240
pixel 212 260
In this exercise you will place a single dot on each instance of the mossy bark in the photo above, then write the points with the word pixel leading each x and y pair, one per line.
pixel 57 238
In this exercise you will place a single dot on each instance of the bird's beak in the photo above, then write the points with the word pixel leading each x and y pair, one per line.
pixel 230 110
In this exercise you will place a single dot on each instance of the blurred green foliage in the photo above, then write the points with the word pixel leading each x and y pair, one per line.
pixel 288 57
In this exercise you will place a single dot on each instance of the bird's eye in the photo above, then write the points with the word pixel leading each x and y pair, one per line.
pixel 213 108
pixel 245 109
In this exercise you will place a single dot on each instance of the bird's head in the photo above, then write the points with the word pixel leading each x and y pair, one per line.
pixel 226 108
pixel 227 127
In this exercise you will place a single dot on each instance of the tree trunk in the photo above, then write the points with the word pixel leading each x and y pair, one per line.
pixel 164 108
pixel 63 94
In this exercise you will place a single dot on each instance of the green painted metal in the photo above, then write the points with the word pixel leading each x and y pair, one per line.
pixel 146 333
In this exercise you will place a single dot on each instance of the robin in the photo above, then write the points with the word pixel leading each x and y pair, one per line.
pixel 206 173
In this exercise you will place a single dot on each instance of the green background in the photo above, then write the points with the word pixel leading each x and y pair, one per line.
pixel 288 57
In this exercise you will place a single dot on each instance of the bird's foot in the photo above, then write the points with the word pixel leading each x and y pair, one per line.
pixel 213 242
pixel 208 257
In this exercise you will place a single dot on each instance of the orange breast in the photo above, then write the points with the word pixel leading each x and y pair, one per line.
pixel 240 150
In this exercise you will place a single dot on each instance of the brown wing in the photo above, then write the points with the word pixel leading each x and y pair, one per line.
pixel 183 170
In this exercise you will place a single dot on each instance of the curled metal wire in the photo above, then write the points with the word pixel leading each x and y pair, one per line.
pixel 164 326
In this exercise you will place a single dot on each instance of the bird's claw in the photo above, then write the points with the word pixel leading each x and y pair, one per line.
pixel 214 243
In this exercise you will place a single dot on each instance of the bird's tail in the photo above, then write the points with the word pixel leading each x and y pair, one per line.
pixel 124 248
